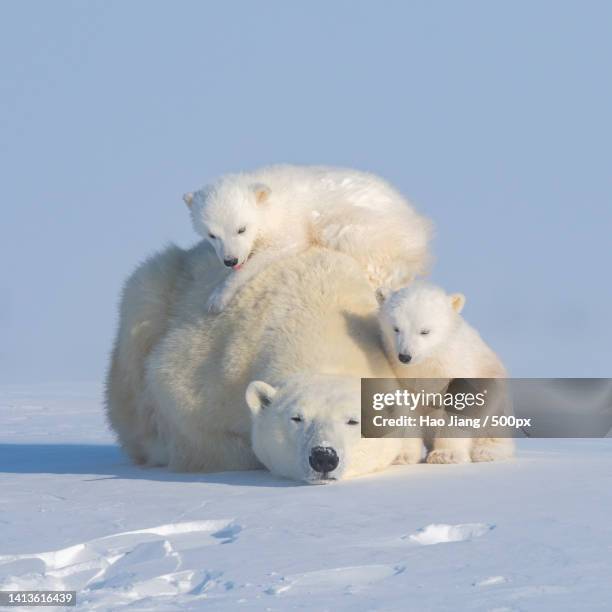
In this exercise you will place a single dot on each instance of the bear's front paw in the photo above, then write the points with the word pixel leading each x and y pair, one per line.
pixel 408 458
pixel 411 453
pixel 217 301
pixel 445 455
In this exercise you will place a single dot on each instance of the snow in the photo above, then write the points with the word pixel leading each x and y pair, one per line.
pixel 528 534
pixel 439 534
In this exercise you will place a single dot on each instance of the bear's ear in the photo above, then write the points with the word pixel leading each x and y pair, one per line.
pixel 457 301
pixel 382 293
pixel 203 194
pixel 259 395
pixel 188 199
pixel 261 192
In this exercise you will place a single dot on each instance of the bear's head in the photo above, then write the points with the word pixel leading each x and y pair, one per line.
pixel 228 215
pixel 309 429
pixel 417 320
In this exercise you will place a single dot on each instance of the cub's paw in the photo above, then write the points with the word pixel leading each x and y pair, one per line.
pixel 218 301
pixel 491 453
pixel 411 452
pixel 445 455
pixel 408 458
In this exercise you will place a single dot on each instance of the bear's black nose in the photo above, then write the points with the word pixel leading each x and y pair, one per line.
pixel 323 459
pixel 230 263
pixel 405 357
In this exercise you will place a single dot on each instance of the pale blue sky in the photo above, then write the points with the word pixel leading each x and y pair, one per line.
pixel 493 117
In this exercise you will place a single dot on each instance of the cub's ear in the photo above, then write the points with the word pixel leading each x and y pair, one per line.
pixel 203 194
pixel 382 293
pixel 259 395
pixel 261 192
pixel 457 301
pixel 188 199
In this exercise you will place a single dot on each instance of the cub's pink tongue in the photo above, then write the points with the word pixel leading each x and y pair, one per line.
pixel 237 267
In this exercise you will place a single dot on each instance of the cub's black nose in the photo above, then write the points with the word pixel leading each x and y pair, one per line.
pixel 405 357
pixel 230 263
pixel 323 459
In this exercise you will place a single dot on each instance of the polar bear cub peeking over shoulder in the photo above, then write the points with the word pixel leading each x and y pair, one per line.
pixel 252 219
pixel 425 336
pixel 309 429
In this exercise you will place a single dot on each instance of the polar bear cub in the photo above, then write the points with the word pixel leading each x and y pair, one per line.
pixel 309 429
pixel 254 218
pixel 425 336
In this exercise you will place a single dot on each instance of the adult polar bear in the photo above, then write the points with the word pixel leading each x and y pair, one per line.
pixel 176 386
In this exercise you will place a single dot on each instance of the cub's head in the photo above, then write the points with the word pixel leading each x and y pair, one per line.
pixel 228 215
pixel 309 429
pixel 417 320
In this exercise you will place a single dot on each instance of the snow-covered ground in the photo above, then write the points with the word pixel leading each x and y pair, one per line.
pixel 530 534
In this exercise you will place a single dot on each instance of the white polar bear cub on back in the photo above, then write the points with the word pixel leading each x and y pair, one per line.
pixel 425 336
pixel 252 219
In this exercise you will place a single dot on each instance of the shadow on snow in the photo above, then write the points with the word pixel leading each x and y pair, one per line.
pixel 108 461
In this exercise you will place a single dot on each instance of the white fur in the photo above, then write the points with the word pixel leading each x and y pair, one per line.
pixel 146 302
pixel 307 414
pixel 284 209
pixel 305 326
pixel 424 323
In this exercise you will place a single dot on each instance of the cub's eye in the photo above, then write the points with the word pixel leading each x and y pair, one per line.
pixel 352 422
pixel 242 229
pixel 424 332
pixel 297 419
pixel 212 236
pixel 396 330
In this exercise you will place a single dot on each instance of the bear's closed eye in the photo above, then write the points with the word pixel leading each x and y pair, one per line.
pixel 352 422
pixel 297 419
